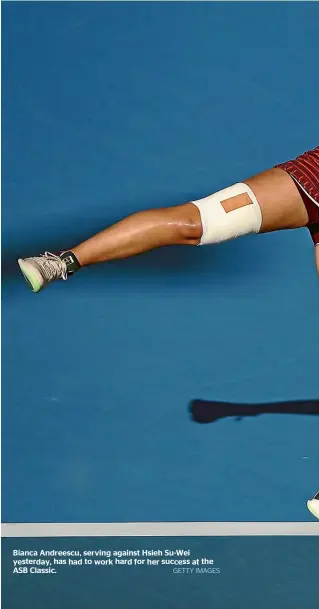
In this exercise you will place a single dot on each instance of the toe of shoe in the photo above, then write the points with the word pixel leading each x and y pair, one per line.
pixel 31 274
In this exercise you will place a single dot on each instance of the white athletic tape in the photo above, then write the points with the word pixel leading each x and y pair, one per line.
pixel 228 214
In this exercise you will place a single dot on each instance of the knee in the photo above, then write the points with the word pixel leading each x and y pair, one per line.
pixel 187 224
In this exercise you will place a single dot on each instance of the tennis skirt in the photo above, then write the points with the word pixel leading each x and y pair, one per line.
pixel 305 172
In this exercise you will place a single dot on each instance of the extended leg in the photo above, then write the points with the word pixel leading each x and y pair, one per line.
pixel 276 197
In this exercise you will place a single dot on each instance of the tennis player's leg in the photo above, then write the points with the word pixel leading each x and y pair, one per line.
pixel 266 202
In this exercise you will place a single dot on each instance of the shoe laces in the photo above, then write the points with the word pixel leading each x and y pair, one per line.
pixel 53 267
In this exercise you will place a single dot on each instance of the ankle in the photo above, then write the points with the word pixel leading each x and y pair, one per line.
pixel 71 262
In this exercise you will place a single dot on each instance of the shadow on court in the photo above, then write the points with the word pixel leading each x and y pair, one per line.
pixel 206 411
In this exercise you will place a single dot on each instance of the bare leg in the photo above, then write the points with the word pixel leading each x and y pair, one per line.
pixel 141 232
pixel 280 202
pixel 281 206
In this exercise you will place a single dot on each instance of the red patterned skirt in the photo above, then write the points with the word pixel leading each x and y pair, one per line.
pixel 305 171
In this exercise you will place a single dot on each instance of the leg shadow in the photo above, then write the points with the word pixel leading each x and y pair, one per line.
pixel 206 411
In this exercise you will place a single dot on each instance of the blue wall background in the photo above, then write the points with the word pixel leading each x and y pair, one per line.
pixel 109 108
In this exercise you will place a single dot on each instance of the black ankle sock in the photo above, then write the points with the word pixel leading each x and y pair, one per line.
pixel 71 261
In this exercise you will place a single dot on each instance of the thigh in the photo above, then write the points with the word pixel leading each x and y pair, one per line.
pixel 280 201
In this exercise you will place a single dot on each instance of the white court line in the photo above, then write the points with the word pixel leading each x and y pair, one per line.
pixel 157 529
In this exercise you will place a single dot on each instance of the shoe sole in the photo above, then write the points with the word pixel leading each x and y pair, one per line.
pixel 313 508
pixel 32 276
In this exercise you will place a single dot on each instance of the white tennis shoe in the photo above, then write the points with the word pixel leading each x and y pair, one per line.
pixel 313 505
pixel 39 271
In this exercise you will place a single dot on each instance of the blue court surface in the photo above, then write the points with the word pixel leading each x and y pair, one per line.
pixel 110 108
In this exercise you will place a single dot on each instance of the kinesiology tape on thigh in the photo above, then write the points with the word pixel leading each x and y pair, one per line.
pixel 229 213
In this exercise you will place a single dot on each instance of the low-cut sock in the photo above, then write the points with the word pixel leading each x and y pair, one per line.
pixel 71 261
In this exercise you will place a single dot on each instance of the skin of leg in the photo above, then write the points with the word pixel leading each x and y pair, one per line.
pixel 281 206
pixel 143 231
pixel 280 202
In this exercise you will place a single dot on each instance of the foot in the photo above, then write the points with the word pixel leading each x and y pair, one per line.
pixel 313 505
pixel 39 271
